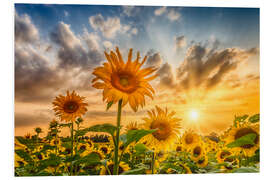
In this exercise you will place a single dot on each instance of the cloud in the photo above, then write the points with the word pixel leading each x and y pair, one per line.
pixel 166 75
pixel 160 11
pixel 34 119
pixel 25 30
pixel 108 27
pixel 131 10
pixel 72 53
pixel 154 59
pixel 107 44
pixel 134 31
pixel 180 42
pixel 173 15
pixel 66 14
pixel 207 68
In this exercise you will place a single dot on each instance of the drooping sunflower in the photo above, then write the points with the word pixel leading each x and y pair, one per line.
pixel 243 130
pixel 69 107
pixel 122 168
pixel 126 81
pixel 190 139
pixel 167 128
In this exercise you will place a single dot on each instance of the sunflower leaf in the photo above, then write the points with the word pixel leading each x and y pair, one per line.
pixel 108 128
pixel 92 158
pixel 24 155
pixel 134 171
pixel 136 135
pixel 140 148
pixel 109 105
pixel 244 140
pixel 255 118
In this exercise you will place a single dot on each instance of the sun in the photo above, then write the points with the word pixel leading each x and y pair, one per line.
pixel 193 115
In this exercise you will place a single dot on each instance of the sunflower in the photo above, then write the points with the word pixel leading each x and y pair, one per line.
pixel 167 129
pixel 230 163
pixel 161 156
pixel 190 139
pixel 69 107
pixel 27 136
pixel 99 153
pixel 122 168
pixel 132 126
pixel 186 169
pixel 197 152
pixel 126 81
pixel 105 149
pixel 84 149
pixel 202 162
pixel 222 154
pixel 243 130
pixel 18 161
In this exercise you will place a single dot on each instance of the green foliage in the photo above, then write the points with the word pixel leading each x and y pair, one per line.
pixel 140 149
pixel 136 135
pixel 255 118
pixel 244 140
pixel 24 155
pixel 134 171
pixel 246 170
pixel 240 119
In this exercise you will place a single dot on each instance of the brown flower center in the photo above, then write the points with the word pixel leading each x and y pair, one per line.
pixel 124 82
pixel 197 151
pixel 104 149
pixel 71 107
pixel 83 147
pixel 245 131
pixel 178 148
pixel 163 130
pixel 223 154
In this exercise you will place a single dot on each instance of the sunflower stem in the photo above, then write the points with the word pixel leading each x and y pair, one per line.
pixel 116 163
pixel 71 166
pixel 153 162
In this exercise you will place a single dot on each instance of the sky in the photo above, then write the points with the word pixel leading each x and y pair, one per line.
pixel 207 60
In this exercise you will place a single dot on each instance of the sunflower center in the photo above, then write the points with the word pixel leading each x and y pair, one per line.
pixel 71 107
pixel 104 149
pixel 178 148
pixel 125 82
pixel 83 147
pixel 223 154
pixel 246 131
pixel 163 130
pixel 189 139
pixel 197 151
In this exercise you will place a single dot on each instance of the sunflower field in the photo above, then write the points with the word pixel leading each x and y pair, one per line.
pixel 159 145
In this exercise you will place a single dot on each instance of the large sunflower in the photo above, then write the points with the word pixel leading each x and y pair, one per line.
pixel 167 129
pixel 126 81
pixel 190 139
pixel 243 130
pixel 69 107
pixel 197 152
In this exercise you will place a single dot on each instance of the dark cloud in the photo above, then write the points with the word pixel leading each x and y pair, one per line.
pixel 35 79
pixel 154 59
pixel 72 53
pixel 207 68
pixel 166 75
pixel 25 30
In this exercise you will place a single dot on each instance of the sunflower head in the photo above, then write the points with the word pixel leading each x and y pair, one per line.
pixel 126 81
pixel 197 151
pixel 243 130
pixel 69 107
pixel 202 162
pixel 222 154
pixel 190 139
pixel 132 126
pixel 167 128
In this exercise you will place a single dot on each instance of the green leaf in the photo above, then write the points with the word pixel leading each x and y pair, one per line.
pixel 255 118
pixel 108 128
pixel 123 138
pixel 92 158
pixel 134 171
pixel 109 105
pixel 140 148
pixel 246 170
pixel 136 135
pixel 24 155
pixel 244 140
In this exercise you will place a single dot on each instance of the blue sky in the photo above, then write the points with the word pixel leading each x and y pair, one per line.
pixel 231 26
pixel 205 58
